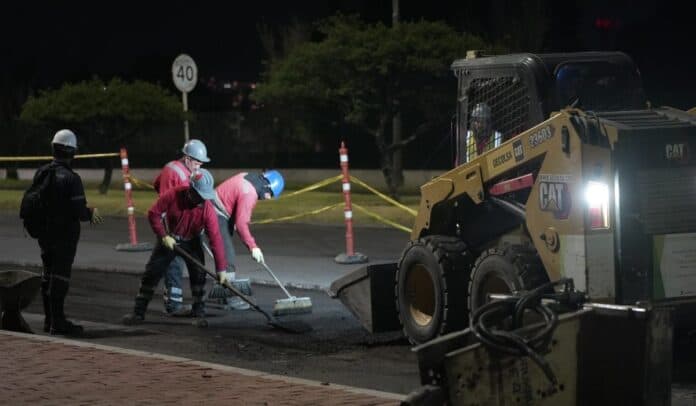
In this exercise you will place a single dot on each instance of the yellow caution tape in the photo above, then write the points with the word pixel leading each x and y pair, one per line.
pixel 48 157
pixel 315 186
pixel 380 218
pixel 294 216
pixel 383 196
pixel 139 183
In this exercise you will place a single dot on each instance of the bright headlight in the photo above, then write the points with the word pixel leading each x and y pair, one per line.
pixel 597 198
pixel 596 194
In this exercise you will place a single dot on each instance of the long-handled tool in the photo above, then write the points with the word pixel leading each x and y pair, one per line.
pixel 291 305
pixel 295 327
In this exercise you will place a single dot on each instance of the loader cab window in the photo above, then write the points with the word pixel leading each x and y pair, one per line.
pixel 598 86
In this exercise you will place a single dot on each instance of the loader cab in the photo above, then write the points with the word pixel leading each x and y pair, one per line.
pixel 522 90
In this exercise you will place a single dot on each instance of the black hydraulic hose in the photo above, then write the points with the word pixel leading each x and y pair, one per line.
pixel 486 320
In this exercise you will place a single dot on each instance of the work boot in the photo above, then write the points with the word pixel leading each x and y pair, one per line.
pixel 132 319
pixel 236 303
pixel 65 327
pixel 182 310
pixel 198 310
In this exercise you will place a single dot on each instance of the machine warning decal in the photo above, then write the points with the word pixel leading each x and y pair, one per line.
pixel 518 150
pixel 541 136
pixel 677 152
pixel 555 197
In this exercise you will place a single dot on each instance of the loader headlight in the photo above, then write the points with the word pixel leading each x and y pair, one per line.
pixel 597 198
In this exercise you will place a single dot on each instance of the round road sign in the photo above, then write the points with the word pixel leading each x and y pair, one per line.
pixel 184 73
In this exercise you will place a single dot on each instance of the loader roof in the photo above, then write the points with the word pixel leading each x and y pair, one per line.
pixel 549 62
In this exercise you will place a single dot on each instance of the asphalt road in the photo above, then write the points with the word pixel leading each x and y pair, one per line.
pixel 337 349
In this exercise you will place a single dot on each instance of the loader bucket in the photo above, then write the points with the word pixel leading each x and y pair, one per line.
pixel 368 293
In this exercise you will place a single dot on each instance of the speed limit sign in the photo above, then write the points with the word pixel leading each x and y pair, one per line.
pixel 184 73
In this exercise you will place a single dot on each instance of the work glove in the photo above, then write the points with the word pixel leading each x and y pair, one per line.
pixel 169 242
pixel 257 255
pixel 96 218
pixel 224 276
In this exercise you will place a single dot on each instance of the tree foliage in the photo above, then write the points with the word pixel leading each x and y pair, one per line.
pixel 127 106
pixel 369 72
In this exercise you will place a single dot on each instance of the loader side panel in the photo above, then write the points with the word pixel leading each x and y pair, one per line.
pixel 655 159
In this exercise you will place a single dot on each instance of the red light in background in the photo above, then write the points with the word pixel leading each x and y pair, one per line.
pixel 606 23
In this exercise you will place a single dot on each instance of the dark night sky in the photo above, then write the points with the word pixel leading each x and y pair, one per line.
pixel 53 42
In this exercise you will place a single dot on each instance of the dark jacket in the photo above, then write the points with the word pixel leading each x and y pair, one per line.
pixel 68 205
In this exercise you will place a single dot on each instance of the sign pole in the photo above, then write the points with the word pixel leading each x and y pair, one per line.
pixel 184 100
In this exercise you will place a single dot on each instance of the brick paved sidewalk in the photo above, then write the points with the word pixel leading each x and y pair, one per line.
pixel 42 370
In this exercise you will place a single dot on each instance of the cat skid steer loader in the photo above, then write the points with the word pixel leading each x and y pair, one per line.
pixel 574 175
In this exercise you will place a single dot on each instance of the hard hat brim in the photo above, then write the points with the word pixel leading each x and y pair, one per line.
pixel 205 195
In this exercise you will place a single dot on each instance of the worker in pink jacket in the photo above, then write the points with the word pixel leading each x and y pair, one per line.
pixel 235 201
pixel 175 174
pixel 178 217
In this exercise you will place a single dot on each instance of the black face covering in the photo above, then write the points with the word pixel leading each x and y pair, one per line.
pixel 193 197
pixel 260 184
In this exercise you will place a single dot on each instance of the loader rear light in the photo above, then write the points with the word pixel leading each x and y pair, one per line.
pixel 597 199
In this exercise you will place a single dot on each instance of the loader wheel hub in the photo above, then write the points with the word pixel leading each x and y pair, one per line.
pixel 420 292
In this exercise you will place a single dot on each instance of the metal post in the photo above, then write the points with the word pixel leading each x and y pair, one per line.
pixel 184 99
pixel 350 256
pixel 127 186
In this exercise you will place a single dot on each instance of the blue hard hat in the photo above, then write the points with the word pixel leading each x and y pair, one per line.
pixel 275 182
pixel 203 183
pixel 196 149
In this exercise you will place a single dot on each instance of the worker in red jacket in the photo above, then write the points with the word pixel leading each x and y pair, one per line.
pixel 235 201
pixel 178 217
pixel 174 174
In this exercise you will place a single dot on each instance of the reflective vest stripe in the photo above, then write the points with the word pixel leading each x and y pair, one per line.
pixel 176 168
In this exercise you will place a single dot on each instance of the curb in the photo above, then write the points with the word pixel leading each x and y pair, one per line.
pixel 219 367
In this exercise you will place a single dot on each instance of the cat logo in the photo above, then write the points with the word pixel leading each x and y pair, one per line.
pixel 518 150
pixel 676 152
pixel 554 197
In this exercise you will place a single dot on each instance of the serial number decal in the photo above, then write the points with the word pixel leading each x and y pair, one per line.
pixel 541 136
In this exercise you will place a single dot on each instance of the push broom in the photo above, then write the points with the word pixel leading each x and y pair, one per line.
pixel 291 305
pixel 296 327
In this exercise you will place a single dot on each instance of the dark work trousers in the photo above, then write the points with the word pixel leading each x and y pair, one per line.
pixel 57 255
pixel 173 292
pixel 159 261
pixel 226 231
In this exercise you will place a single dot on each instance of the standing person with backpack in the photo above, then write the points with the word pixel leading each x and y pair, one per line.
pixel 174 174
pixel 55 221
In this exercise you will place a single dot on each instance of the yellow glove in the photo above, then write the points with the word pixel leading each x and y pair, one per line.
pixel 257 255
pixel 169 242
pixel 96 218
pixel 223 277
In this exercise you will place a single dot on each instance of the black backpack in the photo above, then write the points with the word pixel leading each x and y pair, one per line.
pixel 34 210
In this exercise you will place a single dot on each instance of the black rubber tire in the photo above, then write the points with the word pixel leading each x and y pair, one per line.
pixel 430 288
pixel 509 270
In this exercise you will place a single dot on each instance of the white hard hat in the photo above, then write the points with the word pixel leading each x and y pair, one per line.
pixel 66 138
pixel 196 150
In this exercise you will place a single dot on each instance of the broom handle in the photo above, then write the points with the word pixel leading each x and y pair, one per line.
pixel 228 285
pixel 276 279
pixel 264 265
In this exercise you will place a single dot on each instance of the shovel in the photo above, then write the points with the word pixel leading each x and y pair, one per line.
pixel 295 327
